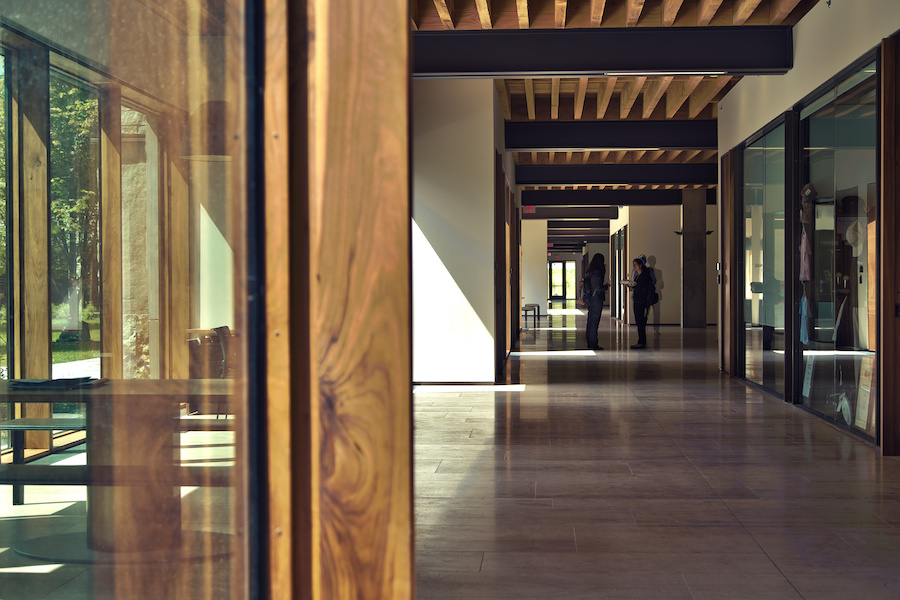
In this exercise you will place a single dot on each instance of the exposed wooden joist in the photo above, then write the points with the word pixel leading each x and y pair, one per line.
pixel 551 157
pixel 529 97
pixel 633 12
pixel 743 9
pixel 597 7
pixel 654 94
pixel 673 155
pixel 670 11
pixel 679 92
pixel 580 93
pixel 638 155
pixel 554 98
pixel 603 156
pixel 414 14
pixel 655 155
pixel 630 94
pixel 522 13
pixel 704 94
pixel 781 9
pixel 484 13
pixel 585 157
pixel 559 13
pixel 534 158
pixel 503 95
pixel 691 155
pixel 620 155
pixel 604 96
pixel 569 158
pixel 707 11
pixel 445 12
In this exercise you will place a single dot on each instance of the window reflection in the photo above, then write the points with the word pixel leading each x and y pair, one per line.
pixel 764 261
pixel 838 253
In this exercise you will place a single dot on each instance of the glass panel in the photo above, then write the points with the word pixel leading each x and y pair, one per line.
pixel 557 282
pixel 137 151
pixel 764 255
pixel 838 255
pixel 74 230
pixel 4 279
pixel 571 280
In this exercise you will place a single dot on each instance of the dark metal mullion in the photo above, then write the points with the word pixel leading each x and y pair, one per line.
pixel 792 144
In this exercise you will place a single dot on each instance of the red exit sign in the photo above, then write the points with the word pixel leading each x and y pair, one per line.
pixel 549 244
pixel 527 210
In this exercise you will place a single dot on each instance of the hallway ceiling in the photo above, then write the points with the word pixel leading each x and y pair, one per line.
pixel 640 97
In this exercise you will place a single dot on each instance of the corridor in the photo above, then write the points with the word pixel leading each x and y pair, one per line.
pixel 643 474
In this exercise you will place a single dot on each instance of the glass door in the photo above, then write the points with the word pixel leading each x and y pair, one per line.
pixel 557 269
pixel 571 280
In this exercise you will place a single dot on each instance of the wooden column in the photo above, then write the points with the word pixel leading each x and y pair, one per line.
pixel 728 289
pixel 338 300
pixel 889 353
pixel 111 230
pixel 34 311
pixel 693 248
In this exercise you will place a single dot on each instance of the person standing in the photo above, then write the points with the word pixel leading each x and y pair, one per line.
pixel 641 291
pixel 596 278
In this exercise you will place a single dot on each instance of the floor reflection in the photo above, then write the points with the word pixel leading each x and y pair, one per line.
pixel 643 473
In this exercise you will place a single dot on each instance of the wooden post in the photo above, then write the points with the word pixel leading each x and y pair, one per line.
pixel 111 230
pixel 890 248
pixel 338 300
pixel 34 330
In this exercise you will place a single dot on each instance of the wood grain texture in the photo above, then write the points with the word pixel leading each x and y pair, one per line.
pixel 580 95
pixel 633 9
pixel 630 95
pixel 597 7
pixel 111 230
pixel 889 353
pixel 707 11
pixel 35 202
pixel 287 370
pixel 522 14
pixel 743 9
pixel 359 299
pixel 655 92
pixel 559 13
pixel 484 13
pixel 780 9
pixel 446 12
pixel 604 96
pixel 705 93
pixel 503 96
pixel 670 11
pixel 529 97
pixel 554 98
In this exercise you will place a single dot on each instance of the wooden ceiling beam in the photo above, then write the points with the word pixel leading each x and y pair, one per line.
pixel 630 95
pixel 603 155
pixel 445 12
pixel 670 11
pixel 656 154
pixel 633 12
pixel 529 97
pixel 673 155
pixel 503 95
pixel 551 157
pixel 705 93
pixel 585 157
pixel 522 12
pixel 654 94
pixel 638 155
pixel 414 14
pixel 484 13
pixel 580 94
pixel 691 155
pixel 604 96
pixel 568 158
pixel 597 7
pixel 554 98
pixel 781 9
pixel 679 92
pixel 707 11
pixel 743 9
pixel 559 13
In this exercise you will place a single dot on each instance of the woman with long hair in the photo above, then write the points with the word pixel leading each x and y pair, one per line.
pixel 596 279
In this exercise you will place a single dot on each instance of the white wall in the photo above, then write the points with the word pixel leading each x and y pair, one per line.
pixel 453 230
pixel 534 263
pixel 826 40
pixel 651 231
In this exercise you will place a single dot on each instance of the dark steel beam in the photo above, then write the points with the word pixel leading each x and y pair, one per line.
pixel 603 52
pixel 617 174
pixel 589 224
pixel 577 212
pixel 576 136
pixel 568 241
pixel 578 198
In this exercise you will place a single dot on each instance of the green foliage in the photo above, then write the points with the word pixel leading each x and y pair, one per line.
pixel 74 190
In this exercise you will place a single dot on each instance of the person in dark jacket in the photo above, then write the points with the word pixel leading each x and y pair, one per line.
pixel 596 276
pixel 641 290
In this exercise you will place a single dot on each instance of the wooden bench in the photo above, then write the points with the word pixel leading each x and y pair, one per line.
pixel 534 309
pixel 19 473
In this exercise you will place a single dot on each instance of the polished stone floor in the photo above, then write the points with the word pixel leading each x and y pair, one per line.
pixel 643 474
